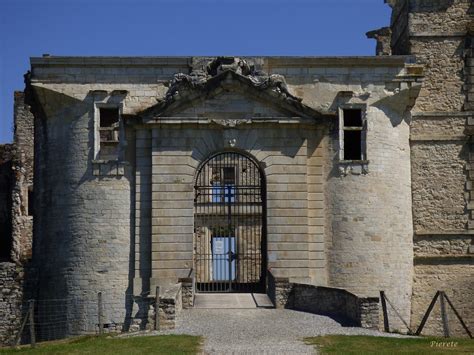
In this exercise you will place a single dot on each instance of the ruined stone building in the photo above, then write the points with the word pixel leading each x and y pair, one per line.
pixel 307 178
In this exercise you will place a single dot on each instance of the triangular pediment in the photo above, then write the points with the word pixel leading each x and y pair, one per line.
pixel 231 103
pixel 231 95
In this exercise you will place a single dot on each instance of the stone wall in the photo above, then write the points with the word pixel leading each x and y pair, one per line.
pixel 16 221
pixel 16 180
pixel 383 37
pixel 469 67
pixel 454 276
pixel 287 231
pixel 85 226
pixel 170 306
pixel 11 301
pixel 83 229
pixel 171 300
pixel 437 33
pixel 444 63
pixel 363 312
pixel 279 290
pixel 188 287
pixel 22 208
pixel 6 183
pixel 399 26
pixel 438 180
pixel 340 304
pixel 369 242
pixel 448 17
pixel 355 194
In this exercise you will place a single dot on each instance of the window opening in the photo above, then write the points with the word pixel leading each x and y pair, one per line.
pixel 109 132
pixel 223 184
pixel 352 132
pixel 30 201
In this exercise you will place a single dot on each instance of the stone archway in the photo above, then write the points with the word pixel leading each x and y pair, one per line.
pixel 229 224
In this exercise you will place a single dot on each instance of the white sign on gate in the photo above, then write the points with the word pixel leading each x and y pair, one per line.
pixel 219 247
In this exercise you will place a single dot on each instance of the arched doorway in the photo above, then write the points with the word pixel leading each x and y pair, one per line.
pixel 229 225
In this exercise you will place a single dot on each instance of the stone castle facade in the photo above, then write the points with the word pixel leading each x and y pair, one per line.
pixel 363 180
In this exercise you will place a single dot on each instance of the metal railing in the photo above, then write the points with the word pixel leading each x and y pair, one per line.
pixel 53 319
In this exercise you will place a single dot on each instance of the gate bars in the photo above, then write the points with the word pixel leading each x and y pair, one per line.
pixel 229 237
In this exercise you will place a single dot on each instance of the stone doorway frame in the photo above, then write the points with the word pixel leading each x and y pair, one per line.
pixel 238 215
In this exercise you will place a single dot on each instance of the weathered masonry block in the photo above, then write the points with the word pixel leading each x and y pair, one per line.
pixel 11 300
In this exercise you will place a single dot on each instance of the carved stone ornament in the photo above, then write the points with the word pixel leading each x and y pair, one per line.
pixel 181 83
pixel 211 77
pixel 230 122
pixel 230 138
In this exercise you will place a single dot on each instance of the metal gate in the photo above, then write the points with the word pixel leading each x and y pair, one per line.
pixel 229 225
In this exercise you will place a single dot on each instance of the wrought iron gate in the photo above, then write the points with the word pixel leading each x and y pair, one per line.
pixel 229 225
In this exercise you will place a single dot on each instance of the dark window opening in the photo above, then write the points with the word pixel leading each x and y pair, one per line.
pixel 109 132
pixel 229 176
pixel 108 117
pixel 352 134
pixel 352 145
pixel 109 125
pixel 223 182
pixel 6 240
pixel 352 118
pixel 30 201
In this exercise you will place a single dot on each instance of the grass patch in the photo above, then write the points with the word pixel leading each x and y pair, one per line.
pixel 161 344
pixel 341 344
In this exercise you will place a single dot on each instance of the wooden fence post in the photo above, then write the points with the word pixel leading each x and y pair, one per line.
pixel 397 313
pixel 458 316
pixel 99 307
pixel 22 327
pixel 31 311
pixel 157 308
pixel 386 325
pixel 444 315
pixel 427 314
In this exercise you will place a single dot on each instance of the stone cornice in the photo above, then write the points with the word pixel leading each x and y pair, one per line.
pixel 438 34
pixel 443 259
pixel 110 61
pixel 441 114
pixel 438 137
pixel 282 62
pixel 228 123
pixel 444 232
pixel 369 61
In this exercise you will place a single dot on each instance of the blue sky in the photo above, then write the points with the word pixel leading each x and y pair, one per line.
pixel 29 28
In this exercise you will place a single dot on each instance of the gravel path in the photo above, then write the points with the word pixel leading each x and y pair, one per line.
pixel 258 331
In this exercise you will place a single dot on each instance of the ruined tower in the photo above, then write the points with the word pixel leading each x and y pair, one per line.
pixel 440 35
